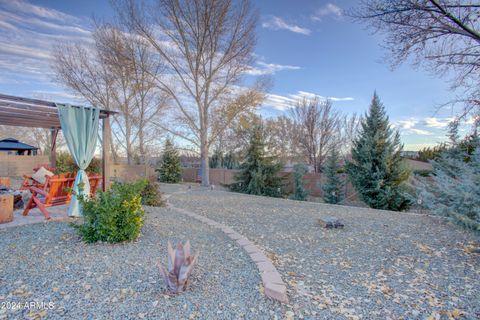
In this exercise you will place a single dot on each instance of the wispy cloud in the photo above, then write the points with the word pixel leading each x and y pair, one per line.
pixel 20 6
pixel 56 95
pixel 420 132
pixel 407 124
pixel 283 103
pixel 263 68
pixel 437 122
pixel 410 127
pixel 28 34
pixel 328 10
pixel 473 119
pixel 304 94
pixel 277 23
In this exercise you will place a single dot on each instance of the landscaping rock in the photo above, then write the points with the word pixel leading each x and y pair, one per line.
pixel 330 222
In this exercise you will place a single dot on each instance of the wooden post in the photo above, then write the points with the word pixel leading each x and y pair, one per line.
pixel 53 149
pixel 106 164
pixel 6 208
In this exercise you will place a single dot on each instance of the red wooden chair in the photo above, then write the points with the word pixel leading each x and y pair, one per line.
pixel 56 191
pixel 28 181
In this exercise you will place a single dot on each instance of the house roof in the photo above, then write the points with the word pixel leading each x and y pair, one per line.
pixel 14 144
pixel 26 112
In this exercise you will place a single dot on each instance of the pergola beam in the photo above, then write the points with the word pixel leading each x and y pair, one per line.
pixel 30 124
pixel 36 111
pixel 36 104
pixel 9 115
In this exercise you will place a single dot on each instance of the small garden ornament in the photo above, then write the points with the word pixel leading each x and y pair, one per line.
pixel 179 268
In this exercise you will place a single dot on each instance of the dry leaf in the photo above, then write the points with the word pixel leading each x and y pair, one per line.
pixel 455 314
pixel 424 248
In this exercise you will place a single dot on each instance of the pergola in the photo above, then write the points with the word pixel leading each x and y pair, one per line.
pixel 34 113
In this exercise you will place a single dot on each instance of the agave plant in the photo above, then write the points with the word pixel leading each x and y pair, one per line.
pixel 180 266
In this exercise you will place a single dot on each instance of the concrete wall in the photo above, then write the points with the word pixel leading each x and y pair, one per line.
pixel 17 166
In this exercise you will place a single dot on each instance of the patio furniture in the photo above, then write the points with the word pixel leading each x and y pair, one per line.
pixel 29 181
pixel 57 190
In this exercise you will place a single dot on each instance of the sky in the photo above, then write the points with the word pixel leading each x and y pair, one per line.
pixel 306 47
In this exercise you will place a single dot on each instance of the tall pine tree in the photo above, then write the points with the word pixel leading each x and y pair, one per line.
pixel 376 170
pixel 259 172
pixel 333 188
pixel 170 169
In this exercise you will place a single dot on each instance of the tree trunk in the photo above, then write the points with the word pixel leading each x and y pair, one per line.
pixel 142 144
pixel 204 160
pixel 128 132
pixel 114 154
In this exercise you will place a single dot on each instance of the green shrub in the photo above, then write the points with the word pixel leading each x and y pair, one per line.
pixel 146 189
pixel 150 194
pixel 299 186
pixel 113 216
pixel 65 163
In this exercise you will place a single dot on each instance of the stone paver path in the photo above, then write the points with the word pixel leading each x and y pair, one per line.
pixel 273 285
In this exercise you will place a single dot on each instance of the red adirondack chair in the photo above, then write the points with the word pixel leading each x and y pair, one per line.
pixel 57 190
pixel 28 181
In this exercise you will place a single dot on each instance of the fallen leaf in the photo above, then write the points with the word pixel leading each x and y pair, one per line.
pixel 424 248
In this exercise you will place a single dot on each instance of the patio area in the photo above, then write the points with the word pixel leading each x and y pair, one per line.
pixel 58 213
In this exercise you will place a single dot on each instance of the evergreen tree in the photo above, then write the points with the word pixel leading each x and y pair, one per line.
pixel 227 161
pixel 454 191
pixel 230 161
pixel 170 169
pixel 299 192
pixel 259 172
pixel 216 160
pixel 333 188
pixel 376 170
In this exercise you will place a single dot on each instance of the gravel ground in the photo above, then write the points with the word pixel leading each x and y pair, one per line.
pixel 47 262
pixel 382 265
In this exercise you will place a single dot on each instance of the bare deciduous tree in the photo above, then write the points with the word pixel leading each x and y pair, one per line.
pixel 348 132
pixel 318 128
pixel 442 34
pixel 207 47
pixel 235 138
pixel 135 67
pixel 110 74
pixel 282 139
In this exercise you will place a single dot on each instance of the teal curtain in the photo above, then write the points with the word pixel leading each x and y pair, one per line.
pixel 80 130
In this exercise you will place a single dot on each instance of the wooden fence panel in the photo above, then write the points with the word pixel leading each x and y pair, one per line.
pixel 189 174
pixel 313 182
pixel 128 173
